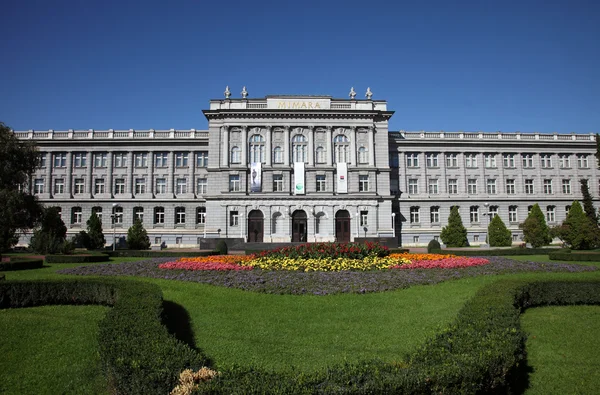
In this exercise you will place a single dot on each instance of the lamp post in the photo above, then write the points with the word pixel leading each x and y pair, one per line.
pixel 241 225
pixel 486 214
pixel 394 225
pixel 114 216
pixel 357 224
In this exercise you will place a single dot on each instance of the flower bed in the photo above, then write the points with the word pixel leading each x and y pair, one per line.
pixel 213 262
pixel 444 263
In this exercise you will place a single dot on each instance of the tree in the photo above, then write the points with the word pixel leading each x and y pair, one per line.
pixel 19 210
pixel 588 202
pixel 137 237
pixel 577 231
pixel 94 231
pixel 454 234
pixel 50 237
pixel 535 230
pixel 498 234
pixel 598 150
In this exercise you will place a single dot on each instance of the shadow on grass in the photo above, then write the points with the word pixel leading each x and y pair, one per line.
pixel 518 378
pixel 177 320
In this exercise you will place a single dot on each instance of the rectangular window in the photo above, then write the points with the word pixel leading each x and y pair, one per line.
pixel 202 186
pixel 234 183
pixel 181 186
pixel 512 214
pixel 42 160
pixel 278 183
pixel 550 214
pixel 415 215
pixel 510 187
pixel 453 186
pixel 119 186
pixel 472 186
pixel 161 186
pixel 98 212
pixel 432 160
pixel 564 161
pixel 181 159
pixel 566 187
pixel 529 190
pixel 233 218
pixel 321 183
pixel 364 218
pixel 120 159
pixel 434 215
pixel 412 160
pixel 471 160
pixel 79 186
pixel 179 215
pixel 59 185
pixel 117 215
pixel 493 211
pixel 582 161
pixel 140 186
pixel 491 186
pixel 138 214
pixel 490 160
pixel 38 186
pixel 451 160
pixel 141 159
pixel 159 215
pixel 415 239
pixel 527 161
pixel 99 186
pixel 76 216
pixel 363 183
pixel 200 215
pixel 202 159
pixel 161 159
pixel 60 159
pixel 100 159
pixel 546 160
pixel 474 214
pixel 157 240
pixel 413 186
pixel 432 186
pixel 508 161
pixel 79 159
pixel 548 187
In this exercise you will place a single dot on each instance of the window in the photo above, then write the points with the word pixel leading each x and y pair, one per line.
pixel 490 160
pixel 38 186
pixel 234 183
pixel 236 155
pixel 320 155
pixel 341 148
pixel 181 159
pixel 582 161
pixel 476 238
pixel 179 240
pixel 60 159
pixel 138 214
pixel 527 160
pixel 202 186
pixel 471 160
pixel 491 186
pixel 98 212
pixel 413 186
pixel 59 185
pixel 200 215
pixel 512 214
pixel 474 214
pixel 548 187
pixel 161 159
pixel 161 186
pixel 415 239
pixel 181 186
pixel 412 160
pixel 564 161
pixel 362 155
pixel 99 186
pixel 118 215
pixel 179 215
pixel 432 186
pixel 451 160
pixel 434 215
pixel 233 218
pixel 321 183
pixel 79 159
pixel 257 149
pixel 202 159
pixel 529 187
pixel 119 185
pixel 42 159
pixel 100 159
pixel 364 218
pixel 278 183
pixel 508 160
pixel 550 217
pixel 414 215
pixel 567 209
pixel 510 186
pixel 59 211
pixel 431 160
pixel 453 186
pixel 140 185
pixel 472 186
pixel 120 159
pixel 277 155
pixel 141 159
pixel 76 216
pixel 493 211
pixel 363 183
pixel 159 215
pixel 546 160
pixel 79 186
pixel 157 240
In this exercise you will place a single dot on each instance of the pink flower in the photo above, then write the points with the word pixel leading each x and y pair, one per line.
pixel 447 263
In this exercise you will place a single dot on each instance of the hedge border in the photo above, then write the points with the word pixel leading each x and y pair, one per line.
pixel 497 252
pixel 138 354
pixel 158 254
pixel 21 264
pixel 77 258
pixel 568 255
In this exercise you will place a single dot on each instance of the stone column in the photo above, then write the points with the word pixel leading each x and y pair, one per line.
pixel 353 147
pixel 287 145
pixel 244 146
pixel 329 146
pixel 311 146
pixel 269 145
pixel 225 146
pixel 69 175
pixel 371 153
pixel 90 182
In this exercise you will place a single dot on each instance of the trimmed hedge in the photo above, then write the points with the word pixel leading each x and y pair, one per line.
pixel 498 252
pixel 21 264
pixel 568 255
pixel 482 351
pixel 77 258
pixel 138 354
pixel 158 254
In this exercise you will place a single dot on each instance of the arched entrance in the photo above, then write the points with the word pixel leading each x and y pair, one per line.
pixel 256 226
pixel 299 226
pixel 342 226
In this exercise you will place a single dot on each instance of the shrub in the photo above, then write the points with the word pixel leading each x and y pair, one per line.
pixel 137 237
pixel 503 252
pixel 50 237
pixel 77 258
pixel 567 255
pixel 82 240
pixel 577 231
pixel 94 231
pixel 535 230
pixel 454 234
pixel 498 234
pixel 433 246
pixel 21 264
pixel 222 247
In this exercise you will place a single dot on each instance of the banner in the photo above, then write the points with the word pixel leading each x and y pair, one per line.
pixel 342 177
pixel 255 177
pixel 299 178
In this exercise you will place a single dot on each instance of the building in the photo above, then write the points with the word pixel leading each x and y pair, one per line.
pixel 305 169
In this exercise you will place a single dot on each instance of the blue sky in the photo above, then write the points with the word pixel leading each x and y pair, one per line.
pixel 441 65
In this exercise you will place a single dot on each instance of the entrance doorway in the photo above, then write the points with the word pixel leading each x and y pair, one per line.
pixel 342 226
pixel 299 228
pixel 255 226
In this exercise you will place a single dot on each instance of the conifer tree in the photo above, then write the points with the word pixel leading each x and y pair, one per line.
pixel 94 231
pixel 498 233
pixel 535 230
pixel 50 237
pixel 588 203
pixel 137 237
pixel 454 234
pixel 577 231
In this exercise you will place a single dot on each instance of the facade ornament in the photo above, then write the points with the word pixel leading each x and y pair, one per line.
pixel 244 93
pixel 352 93
pixel 227 92
pixel 369 94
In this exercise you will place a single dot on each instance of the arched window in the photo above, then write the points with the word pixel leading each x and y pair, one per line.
pixel 299 146
pixel 236 155
pixel 363 156
pixel 277 155
pixel 320 155
pixel 341 148
pixel 257 148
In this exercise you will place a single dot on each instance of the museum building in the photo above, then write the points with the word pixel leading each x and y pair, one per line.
pixel 306 169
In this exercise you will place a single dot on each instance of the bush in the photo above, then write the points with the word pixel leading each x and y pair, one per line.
pixel 577 231
pixel 82 240
pixel 433 246
pixel 502 252
pixel 137 237
pixel 21 264
pixel 222 247
pixel 50 237
pixel 454 234
pixel 77 258
pixel 94 232
pixel 498 234
pixel 535 230
pixel 137 352
pixel 566 255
